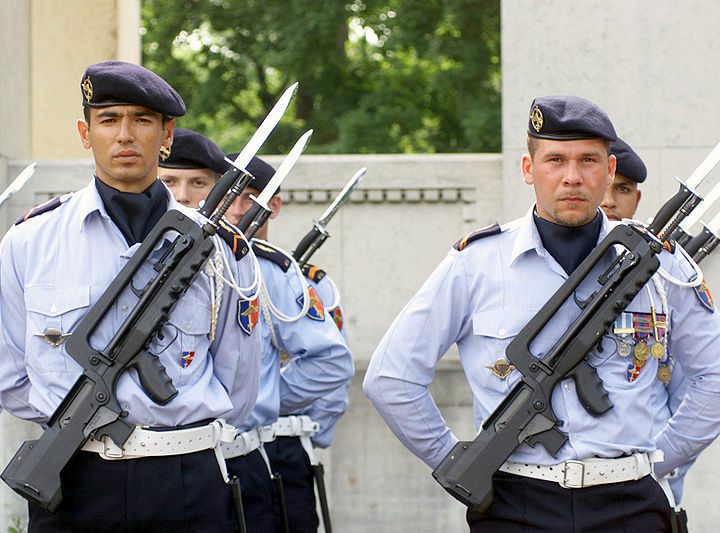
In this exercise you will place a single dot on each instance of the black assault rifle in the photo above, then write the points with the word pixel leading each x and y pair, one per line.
pixel 525 415
pixel 91 409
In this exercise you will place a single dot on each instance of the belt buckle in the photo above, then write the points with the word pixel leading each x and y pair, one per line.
pixel 110 449
pixel 573 474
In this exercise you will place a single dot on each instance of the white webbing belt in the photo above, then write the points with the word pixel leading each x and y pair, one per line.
pixel 301 426
pixel 150 443
pixel 243 444
pixel 574 474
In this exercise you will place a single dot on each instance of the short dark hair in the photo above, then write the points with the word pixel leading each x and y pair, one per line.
pixel 532 145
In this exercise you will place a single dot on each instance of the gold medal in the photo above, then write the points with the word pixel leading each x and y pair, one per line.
pixel 639 362
pixel 664 373
pixel 642 351
pixel 658 350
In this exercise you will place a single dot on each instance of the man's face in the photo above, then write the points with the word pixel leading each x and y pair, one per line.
pixel 621 198
pixel 125 141
pixel 570 178
pixel 189 186
pixel 242 205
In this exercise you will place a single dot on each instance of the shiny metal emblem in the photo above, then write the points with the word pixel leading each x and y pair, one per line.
pixel 639 363
pixel 642 351
pixel 664 373
pixel 624 349
pixel 165 152
pixel 537 119
pixel 87 89
pixel 502 368
pixel 658 350
pixel 54 337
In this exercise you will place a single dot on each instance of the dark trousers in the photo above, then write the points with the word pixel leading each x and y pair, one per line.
pixel 288 457
pixel 258 493
pixel 180 493
pixel 526 505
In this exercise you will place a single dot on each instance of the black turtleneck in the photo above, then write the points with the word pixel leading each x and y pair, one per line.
pixel 569 245
pixel 134 213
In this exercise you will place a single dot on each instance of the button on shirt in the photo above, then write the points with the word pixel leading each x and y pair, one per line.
pixel 320 360
pixel 326 411
pixel 54 267
pixel 481 297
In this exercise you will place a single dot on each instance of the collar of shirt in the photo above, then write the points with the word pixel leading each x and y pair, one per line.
pixel 90 202
pixel 528 237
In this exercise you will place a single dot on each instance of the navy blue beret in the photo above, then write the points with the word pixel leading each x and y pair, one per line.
pixel 191 149
pixel 566 118
pixel 629 163
pixel 118 83
pixel 262 172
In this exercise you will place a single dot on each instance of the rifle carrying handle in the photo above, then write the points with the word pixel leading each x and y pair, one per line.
pixel 153 378
pixel 593 396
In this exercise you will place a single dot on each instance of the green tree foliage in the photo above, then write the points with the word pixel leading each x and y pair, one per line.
pixel 376 76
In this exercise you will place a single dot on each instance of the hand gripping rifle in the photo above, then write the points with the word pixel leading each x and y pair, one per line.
pixel 91 408
pixel 525 415
pixel 315 238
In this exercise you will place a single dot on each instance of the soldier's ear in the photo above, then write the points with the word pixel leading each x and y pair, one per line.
pixel 83 129
pixel 526 165
pixel 275 204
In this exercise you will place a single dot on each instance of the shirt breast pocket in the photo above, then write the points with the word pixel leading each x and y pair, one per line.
pixel 492 332
pixel 52 315
pixel 184 340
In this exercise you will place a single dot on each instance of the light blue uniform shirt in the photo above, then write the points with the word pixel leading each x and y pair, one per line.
pixel 319 359
pixel 480 298
pixel 55 266
pixel 326 411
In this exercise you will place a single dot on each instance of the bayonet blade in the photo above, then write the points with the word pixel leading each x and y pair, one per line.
pixel 261 134
pixel 341 198
pixel 283 170
pixel 17 183
pixel 701 172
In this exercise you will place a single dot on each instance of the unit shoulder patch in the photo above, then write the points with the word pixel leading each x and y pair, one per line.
pixel 46 207
pixel 234 239
pixel 312 272
pixel 478 234
pixel 271 253
pixel 703 294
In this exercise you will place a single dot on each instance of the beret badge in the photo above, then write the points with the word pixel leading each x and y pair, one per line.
pixel 537 119
pixel 87 89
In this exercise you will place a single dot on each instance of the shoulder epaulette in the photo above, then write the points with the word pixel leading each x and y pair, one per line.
pixel 271 253
pixel 312 272
pixel 51 204
pixel 481 233
pixel 234 240
pixel 669 245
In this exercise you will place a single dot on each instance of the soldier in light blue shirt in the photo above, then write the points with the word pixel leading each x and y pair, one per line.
pixel 54 266
pixel 304 358
pixel 491 284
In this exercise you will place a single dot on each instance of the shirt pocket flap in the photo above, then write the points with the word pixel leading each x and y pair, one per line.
pixel 501 323
pixel 56 301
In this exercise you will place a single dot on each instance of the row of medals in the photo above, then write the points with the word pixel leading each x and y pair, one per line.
pixel 642 349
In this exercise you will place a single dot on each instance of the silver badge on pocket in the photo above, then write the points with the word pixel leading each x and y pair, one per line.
pixel 54 336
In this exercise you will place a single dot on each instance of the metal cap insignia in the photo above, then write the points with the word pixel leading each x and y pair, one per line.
pixel 537 119
pixel 87 89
